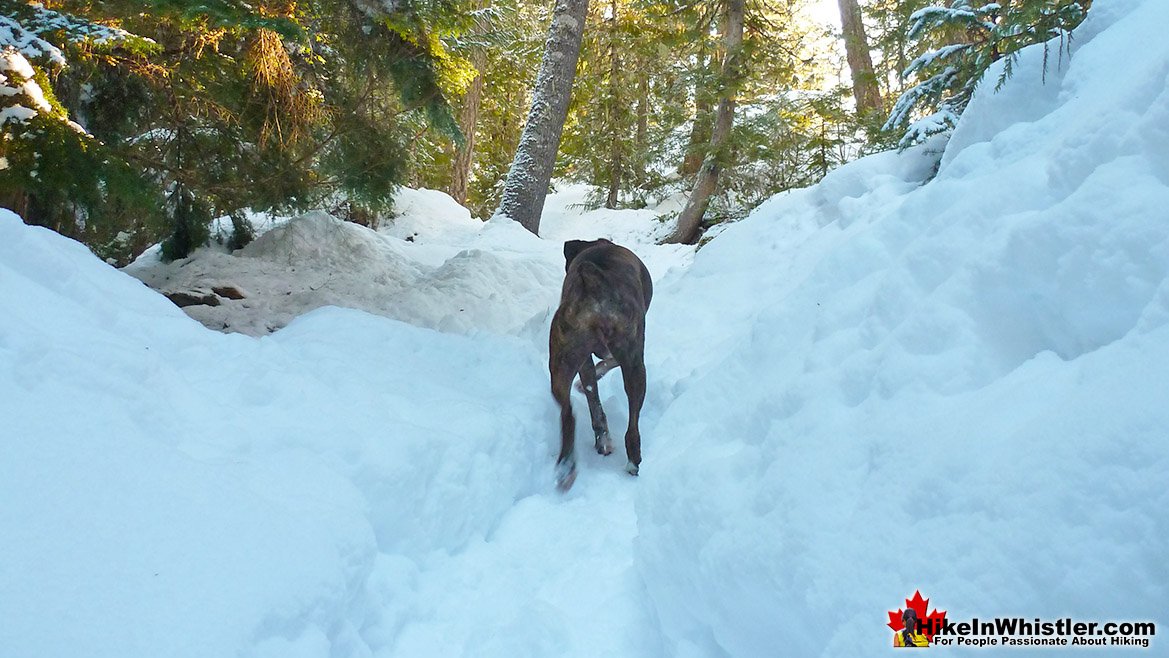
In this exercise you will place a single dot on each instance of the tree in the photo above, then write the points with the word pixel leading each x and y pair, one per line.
pixel 468 121
pixel 703 118
pixel 616 113
pixel 989 32
pixel 52 170
pixel 672 55
pixel 531 170
pixel 509 35
pixel 891 37
pixel 599 144
pixel 219 106
pixel 690 220
pixel 856 46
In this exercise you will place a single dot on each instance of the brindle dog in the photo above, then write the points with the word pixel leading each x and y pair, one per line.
pixel 606 293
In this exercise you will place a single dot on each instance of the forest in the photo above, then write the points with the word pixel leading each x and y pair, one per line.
pixel 126 124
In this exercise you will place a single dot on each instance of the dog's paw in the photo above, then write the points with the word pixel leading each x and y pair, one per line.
pixel 631 468
pixel 604 444
pixel 565 475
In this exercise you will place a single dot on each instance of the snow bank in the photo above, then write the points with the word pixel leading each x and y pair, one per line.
pixel 167 490
pixel 345 486
pixel 956 388
pixel 432 266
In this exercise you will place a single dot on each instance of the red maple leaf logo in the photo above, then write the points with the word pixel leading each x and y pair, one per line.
pixel 919 606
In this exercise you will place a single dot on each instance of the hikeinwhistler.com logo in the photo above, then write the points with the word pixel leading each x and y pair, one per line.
pixel 914 627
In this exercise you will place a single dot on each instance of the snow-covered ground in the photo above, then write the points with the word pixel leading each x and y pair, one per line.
pixel 432 265
pixel 867 388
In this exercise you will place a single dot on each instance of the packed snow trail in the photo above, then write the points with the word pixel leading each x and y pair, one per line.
pixel 556 577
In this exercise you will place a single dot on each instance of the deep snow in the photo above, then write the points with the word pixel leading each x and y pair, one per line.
pixel 867 388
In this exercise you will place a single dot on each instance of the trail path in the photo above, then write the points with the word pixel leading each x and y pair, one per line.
pixel 556 575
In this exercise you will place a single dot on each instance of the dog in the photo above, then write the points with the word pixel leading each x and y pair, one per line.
pixel 606 294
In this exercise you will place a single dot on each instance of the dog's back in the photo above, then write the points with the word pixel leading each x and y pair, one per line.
pixel 607 291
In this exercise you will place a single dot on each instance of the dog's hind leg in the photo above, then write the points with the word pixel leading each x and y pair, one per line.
pixel 588 380
pixel 633 372
pixel 563 371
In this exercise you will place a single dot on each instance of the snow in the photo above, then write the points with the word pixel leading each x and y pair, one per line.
pixel 932 56
pixel 869 387
pixel 14 63
pixel 25 43
pixel 432 265
pixel 23 36
pixel 16 114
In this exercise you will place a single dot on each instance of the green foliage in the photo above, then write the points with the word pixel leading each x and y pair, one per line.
pixel 665 60
pixel 215 106
pixel 367 170
pixel 72 183
pixel 510 36
pixel 242 232
pixel 600 141
pixel 888 29
pixel 229 14
pixel 192 219
pixel 195 109
pixel 977 37
pixel 781 142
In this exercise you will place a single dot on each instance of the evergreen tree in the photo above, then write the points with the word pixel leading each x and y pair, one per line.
pixel 503 47
pixel 856 45
pixel 690 220
pixel 220 106
pixel 987 33
pixel 52 171
pixel 890 37
pixel 531 170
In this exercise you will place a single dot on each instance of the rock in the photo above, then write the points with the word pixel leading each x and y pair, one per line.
pixel 228 292
pixel 195 298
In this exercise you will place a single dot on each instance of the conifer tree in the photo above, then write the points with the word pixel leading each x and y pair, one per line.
pixel 989 32
pixel 690 220
pixel 856 45
pixel 531 170
pixel 219 105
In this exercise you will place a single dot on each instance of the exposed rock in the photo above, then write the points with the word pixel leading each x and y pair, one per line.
pixel 194 298
pixel 228 292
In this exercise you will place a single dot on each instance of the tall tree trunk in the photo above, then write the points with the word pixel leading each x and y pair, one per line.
pixel 531 170
pixel 640 143
pixel 856 47
pixel 690 220
pixel 468 119
pixel 700 129
pixel 614 113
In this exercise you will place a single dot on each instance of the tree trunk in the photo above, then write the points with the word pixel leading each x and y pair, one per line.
pixel 614 115
pixel 468 119
pixel 856 47
pixel 640 145
pixel 690 221
pixel 700 129
pixel 531 170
